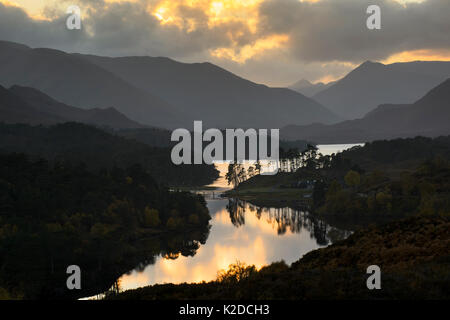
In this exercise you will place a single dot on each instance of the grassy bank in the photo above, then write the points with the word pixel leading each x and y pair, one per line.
pixel 276 191
pixel 272 197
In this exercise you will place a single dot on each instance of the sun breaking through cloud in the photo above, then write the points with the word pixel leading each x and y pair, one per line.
pixel 270 41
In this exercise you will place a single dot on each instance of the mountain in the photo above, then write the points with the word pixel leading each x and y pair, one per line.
pixel 76 82
pixel 28 105
pixel 109 117
pixel 372 84
pixel 15 110
pixel 428 116
pixel 310 89
pixel 157 91
pixel 214 95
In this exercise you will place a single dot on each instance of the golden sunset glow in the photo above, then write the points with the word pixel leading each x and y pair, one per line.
pixel 32 7
pixel 230 33
pixel 419 55
pixel 9 3
pixel 242 54
pixel 216 12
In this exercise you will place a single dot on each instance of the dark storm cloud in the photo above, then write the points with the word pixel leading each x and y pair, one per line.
pixel 117 29
pixel 336 29
pixel 16 25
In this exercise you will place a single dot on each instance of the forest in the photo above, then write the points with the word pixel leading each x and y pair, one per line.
pixel 108 219
pixel 388 178
pixel 424 191
pixel 97 148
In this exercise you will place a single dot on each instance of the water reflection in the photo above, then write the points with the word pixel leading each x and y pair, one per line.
pixel 329 149
pixel 240 232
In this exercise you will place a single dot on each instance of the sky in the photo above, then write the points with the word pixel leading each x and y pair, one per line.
pixel 274 42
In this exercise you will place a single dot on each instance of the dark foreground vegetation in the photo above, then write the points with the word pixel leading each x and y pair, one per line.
pixel 426 190
pixel 413 254
pixel 386 180
pixel 53 215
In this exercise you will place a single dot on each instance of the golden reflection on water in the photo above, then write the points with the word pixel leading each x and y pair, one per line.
pixel 256 242
pixel 249 234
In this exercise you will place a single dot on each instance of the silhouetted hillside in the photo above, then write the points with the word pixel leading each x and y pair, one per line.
pixel 15 110
pixel 429 117
pixel 74 81
pixel 157 91
pixel 42 103
pixel 153 137
pixel 78 143
pixel 372 84
pixel 214 95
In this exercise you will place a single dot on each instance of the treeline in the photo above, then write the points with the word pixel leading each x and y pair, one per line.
pixel 54 214
pixel 364 182
pixel 77 143
pixel 381 180
pixel 290 161
pixel 398 154
pixel 425 191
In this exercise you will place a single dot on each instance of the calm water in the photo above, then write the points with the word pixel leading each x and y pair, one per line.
pixel 256 236
pixel 241 232
pixel 329 149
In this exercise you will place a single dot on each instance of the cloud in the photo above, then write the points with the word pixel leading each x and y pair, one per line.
pixel 269 41
pixel 336 30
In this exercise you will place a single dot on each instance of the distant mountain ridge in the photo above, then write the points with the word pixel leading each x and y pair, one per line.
pixel 372 84
pixel 428 116
pixel 76 82
pixel 30 106
pixel 310 89
pixel 157 91
pixel 214 95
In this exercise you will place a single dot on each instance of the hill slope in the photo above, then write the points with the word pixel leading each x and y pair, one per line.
pixel 372 84
pixel 157 91
pixel 13 109
pixel 77 143
pixel 214 95
pixel 43 103
pixel 30 106
pixel 429 116
pixel 76 82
